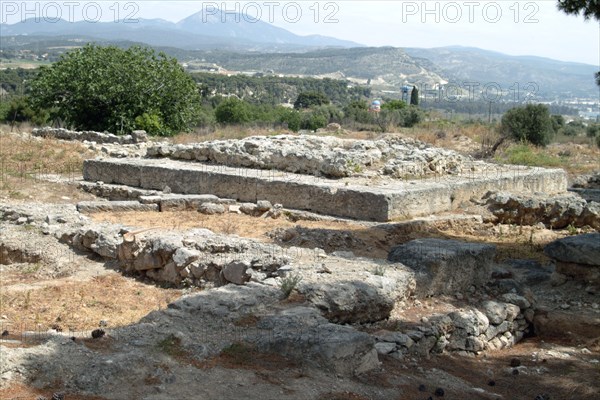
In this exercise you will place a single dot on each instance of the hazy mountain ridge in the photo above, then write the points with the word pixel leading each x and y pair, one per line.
pixel 198 31
pixel 239 45
pixel 468 64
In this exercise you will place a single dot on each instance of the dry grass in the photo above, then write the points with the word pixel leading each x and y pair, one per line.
pixel 77 306
pixel 26 162
pixel 367 241
pixel 226 132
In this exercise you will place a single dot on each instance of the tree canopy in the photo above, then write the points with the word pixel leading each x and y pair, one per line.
pixel 588 8
pixel 310 99
pixel 531 123
pixel 117 90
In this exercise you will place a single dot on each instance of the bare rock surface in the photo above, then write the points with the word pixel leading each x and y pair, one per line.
pixel 556 211
pixel 445 266
pixel 314 155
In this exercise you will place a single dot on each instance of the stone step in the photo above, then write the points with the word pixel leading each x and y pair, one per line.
pixel 382 200
pixel 114 206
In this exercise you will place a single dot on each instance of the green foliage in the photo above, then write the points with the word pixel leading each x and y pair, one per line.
pixel 531 123
pixel 313 121
pixel 589 8
pixel 107 88
pixel 289 283
pixel 558 122
pixel 406 117
pixel 358 111
pixel 19 109
pixel 233 111
pixel 593 130
pixel 414 96
pixel 291 118
pixel 393 105
pixel 310 99
pixel 151 123
pixel 522 154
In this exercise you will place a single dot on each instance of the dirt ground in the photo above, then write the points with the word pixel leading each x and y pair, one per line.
pixel 561 362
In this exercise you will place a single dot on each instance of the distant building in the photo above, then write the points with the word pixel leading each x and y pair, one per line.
pixel 375 106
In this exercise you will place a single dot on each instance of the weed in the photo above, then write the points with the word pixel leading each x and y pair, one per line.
pixel 31 269
pixel 572 229
pixel 289 283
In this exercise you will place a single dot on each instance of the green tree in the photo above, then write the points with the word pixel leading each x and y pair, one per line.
pixel 589 8
pixel 593 130
pixel 414 96
pixel 531 123
pixel 19 110
pixel 310 99
pixel 558 123
pixel 233 111
pixel 107 88
pixel 393 105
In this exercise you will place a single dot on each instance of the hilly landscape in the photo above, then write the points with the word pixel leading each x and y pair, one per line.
pixel 205 42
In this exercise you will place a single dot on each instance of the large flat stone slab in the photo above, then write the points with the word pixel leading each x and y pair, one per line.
pixel 382 199
pixel 445 266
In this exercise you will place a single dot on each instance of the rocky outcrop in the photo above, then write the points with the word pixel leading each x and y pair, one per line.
pixel 198 257
pixel 493 326
pixel 90 136
pixel 556 211
pixel 321 156
pixel 359 301
pixel 445 266
pixel 302 334
pixel 577 257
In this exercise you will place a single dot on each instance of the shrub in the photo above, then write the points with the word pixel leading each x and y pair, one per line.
pixel 531 123
pixel 107 88
pixel 233 111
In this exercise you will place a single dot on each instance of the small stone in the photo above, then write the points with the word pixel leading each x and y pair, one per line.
pixel 439 392
pixel 515 362
pixel 385 347
pixel 167 190
pixel 98 333
pixel 263 205
pixel 515 371
pixel 103 323
pixel 422 388
pixel 492 383
pixel 5 333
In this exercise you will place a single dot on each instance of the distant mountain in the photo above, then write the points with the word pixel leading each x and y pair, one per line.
pixel 200 31
pixel 387 66
pixel 468 64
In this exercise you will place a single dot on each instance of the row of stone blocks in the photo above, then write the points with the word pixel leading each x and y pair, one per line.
pixel 393 200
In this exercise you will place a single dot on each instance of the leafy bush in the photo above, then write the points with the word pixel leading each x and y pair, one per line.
pixel 107 88
pixel 151 123
pixel 19 109
pixel 531 123
pixel 393 105
pixel 593 130
pixel 233 111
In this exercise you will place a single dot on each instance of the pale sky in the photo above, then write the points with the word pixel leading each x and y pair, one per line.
pixel 511 27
